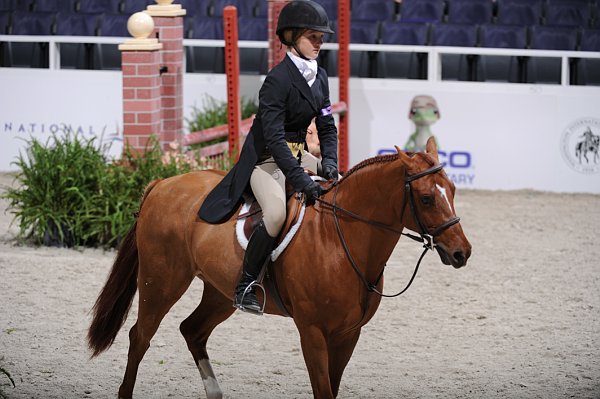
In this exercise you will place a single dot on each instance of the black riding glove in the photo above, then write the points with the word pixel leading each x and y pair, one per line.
pixel 312 191
pixel 330 172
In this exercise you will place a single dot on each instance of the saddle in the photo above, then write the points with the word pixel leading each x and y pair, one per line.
pixel 250 216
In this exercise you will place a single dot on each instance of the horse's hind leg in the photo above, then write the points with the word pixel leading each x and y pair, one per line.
pixel 156 297
pixel 212 311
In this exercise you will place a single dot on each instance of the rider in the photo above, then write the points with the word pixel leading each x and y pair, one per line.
pixel 293 93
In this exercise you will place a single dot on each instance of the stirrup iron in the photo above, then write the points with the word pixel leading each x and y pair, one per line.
pixel 239 305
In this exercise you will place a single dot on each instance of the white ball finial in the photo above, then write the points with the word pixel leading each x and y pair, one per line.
pixel 140 25
pixel 164 2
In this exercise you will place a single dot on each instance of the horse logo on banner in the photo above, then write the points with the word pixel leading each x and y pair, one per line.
pixel 590 143
pixel 580 145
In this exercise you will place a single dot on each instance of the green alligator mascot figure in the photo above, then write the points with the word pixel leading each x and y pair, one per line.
pixel 424 112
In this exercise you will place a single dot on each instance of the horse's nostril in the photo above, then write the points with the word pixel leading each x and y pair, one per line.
pixel 459 257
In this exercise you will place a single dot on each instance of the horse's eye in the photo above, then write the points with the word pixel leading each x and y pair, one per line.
pixel 427 200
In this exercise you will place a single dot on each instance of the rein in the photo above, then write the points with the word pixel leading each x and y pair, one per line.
pixel 425 236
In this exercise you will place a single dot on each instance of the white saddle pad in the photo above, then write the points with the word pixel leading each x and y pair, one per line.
pixel 239 229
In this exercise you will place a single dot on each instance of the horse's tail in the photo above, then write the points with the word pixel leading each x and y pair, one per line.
pixel 113 304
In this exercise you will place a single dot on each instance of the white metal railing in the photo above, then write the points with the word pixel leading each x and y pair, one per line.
pixel 434 53
pixel 55 41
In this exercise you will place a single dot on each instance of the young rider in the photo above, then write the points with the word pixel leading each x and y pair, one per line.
pixel 293 93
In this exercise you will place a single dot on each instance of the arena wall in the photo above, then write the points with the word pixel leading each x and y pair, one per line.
pixel 492 135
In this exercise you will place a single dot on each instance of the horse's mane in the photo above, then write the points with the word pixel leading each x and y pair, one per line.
pixel 370 161
pixel 379 159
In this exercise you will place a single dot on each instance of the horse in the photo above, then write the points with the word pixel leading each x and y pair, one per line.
pixel 357 225
pixel 591 142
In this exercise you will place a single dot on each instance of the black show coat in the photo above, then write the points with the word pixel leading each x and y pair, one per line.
pixel 286 104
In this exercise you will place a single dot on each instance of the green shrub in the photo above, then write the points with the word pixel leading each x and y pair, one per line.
pixel 69 194
pixel 56 180
pixel 214 113
pixel 121 188
pixel 249 108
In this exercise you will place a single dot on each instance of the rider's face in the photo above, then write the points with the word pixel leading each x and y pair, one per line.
pixel 310 43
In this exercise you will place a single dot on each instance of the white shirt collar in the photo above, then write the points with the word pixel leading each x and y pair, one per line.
pixel 308 68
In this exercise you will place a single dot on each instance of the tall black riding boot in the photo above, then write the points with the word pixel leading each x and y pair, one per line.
pixel 259 248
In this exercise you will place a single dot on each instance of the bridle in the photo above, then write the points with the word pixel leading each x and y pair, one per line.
pixel 426 236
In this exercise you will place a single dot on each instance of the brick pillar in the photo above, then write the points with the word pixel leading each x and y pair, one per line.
pixel 141 83
pixel 276 49
pixel 168 28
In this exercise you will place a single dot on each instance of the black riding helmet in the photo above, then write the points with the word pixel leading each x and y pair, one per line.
pixel 300 15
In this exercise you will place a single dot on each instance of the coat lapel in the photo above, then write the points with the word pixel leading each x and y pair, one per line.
pixel 300 83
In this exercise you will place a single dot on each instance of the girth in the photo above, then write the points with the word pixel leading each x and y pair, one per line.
pixel 254 215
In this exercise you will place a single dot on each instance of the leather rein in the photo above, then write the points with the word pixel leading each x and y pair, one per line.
pixel 426 236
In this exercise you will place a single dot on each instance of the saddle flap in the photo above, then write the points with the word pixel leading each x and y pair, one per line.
pixel 253 216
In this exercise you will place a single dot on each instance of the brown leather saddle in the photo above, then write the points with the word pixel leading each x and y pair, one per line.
pixel 254 214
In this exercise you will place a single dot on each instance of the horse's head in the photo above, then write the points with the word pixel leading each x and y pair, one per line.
pixel 429 205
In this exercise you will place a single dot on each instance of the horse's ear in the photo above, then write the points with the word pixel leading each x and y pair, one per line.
pixel 431 148
pixel 402 155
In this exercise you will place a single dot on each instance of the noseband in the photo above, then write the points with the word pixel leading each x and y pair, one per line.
pixel 425 235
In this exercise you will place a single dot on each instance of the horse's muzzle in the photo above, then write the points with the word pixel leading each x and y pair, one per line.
pixel 457 259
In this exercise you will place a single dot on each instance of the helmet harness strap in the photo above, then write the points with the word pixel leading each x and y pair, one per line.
pixel 296 34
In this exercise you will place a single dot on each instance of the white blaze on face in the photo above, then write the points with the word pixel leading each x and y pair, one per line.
pixel 442 191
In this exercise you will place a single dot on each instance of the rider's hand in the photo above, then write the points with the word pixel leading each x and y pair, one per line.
pixel 330 172
pixel 312 191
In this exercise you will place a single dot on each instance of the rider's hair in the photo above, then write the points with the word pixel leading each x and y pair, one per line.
pixel 292 35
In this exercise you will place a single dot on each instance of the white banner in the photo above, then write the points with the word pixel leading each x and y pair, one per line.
pixel 491 135
pixel 40 103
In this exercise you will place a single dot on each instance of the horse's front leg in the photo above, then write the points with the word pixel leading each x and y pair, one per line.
pixel 340 351
pixel 315 351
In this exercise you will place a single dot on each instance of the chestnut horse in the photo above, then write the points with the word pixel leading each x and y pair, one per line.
pixel 329 278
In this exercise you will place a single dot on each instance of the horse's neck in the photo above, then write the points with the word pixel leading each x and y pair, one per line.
pixel 369 191
pixel 368 195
